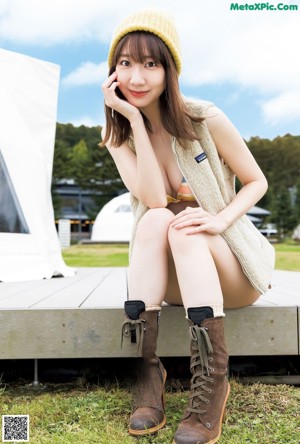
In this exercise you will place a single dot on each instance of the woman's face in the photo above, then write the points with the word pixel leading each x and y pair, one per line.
pixel 141 83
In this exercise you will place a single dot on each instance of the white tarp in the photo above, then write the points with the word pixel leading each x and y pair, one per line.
pixel 29 245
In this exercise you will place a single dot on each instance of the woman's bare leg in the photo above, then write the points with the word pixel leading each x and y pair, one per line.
pixel 208 272
pixel 148 270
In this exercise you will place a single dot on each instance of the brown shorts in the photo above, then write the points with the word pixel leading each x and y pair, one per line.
pixel 176 207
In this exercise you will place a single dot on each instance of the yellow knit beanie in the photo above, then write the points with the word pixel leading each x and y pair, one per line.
pixel 155 21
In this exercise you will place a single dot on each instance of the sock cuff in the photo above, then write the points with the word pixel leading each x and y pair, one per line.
pixel 218 311
pixel 153 308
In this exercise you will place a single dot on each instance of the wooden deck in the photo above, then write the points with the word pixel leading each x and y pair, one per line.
pixel 80 317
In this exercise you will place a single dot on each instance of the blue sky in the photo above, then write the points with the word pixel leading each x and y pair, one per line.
pixel 246 62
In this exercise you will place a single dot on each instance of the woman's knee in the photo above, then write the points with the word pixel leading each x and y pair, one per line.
pixel 182 241
pixel 154 225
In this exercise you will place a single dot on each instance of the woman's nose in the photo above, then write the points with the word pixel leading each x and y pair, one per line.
pixel 137 77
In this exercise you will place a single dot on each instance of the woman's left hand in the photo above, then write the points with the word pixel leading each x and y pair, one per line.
pixel 200 219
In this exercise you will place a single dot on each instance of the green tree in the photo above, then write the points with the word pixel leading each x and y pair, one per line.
pixel 283 214
pixel 279 159
pixel 297 202
pixel 78 157
pixel 81 164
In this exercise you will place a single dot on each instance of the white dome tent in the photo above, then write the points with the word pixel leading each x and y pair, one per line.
pixel 29 243
pixel 114 221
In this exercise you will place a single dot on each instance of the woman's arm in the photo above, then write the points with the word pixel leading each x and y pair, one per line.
pixel 235 153
pixel 140 172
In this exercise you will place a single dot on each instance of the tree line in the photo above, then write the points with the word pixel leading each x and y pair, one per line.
pixel 280 161
pixel 78 157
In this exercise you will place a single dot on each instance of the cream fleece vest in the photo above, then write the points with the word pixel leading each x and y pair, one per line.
pixel 213 185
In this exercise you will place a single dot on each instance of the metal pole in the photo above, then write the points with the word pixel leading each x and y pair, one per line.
pixel 80 213
pixel 36 373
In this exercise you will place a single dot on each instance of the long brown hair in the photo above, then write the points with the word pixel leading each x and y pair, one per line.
pixel 176 118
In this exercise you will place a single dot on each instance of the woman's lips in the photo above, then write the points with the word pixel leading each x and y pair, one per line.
pixel 138 93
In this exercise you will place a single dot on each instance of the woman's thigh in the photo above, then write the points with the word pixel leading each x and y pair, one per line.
pixel 236 288
pixel 173 295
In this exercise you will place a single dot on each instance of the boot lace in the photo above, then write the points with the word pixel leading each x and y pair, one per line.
pixel 129 329
pixel 201 349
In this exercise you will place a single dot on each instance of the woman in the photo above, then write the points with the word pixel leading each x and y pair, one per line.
pixel 192 244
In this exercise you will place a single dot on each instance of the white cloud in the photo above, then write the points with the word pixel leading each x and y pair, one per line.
pixel 86 74
pixel 253 49
pixel 86 120
pixel 49 22
pixel 283 108
pixel 256 51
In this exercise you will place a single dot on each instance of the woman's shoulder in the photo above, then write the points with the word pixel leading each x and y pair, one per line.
pixel 198 107
pixel 213 115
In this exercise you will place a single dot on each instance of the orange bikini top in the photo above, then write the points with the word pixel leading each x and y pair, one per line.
pixel 184 193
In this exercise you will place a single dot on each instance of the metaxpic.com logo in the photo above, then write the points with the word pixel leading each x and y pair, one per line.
pixel 263 7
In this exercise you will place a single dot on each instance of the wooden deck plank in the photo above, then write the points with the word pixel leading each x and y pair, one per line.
pixel 8 289
pixel 75 293
pixel 111 293
pixel 287 300
pixel 287 278
pixel 26 299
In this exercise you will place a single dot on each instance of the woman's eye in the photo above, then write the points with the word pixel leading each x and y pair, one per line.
pixel 124 63
pixel 151 64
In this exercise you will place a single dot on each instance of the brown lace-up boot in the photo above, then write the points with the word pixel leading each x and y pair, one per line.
pixel 141 327
pixel 202 419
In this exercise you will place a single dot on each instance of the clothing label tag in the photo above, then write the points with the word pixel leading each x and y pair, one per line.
pixel 200 157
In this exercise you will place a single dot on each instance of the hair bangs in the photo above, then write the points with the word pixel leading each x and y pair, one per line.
pixel 140 45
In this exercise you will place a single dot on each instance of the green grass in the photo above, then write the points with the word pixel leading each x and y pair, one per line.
pixel 99 415
pixel 116 255
pixel 111 255
pixel 288 256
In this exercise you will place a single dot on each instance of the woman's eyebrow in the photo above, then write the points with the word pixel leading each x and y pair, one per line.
pixel 145 56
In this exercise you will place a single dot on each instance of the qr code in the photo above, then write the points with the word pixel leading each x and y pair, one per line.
pixel 15 428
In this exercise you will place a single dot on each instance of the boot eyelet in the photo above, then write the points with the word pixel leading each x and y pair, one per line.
pixel 210 359
pixel 208 425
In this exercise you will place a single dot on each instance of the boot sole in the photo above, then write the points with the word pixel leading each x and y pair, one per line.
pixel 216 439
pixel 148 431
pixel 159 426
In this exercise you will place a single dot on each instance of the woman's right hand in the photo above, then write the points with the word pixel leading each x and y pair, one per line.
pixel 114 102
